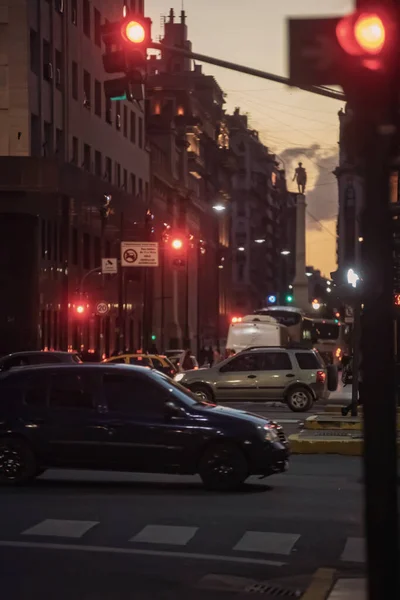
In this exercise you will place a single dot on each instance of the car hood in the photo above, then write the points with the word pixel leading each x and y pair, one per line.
pixel 198 374
pixel 225 412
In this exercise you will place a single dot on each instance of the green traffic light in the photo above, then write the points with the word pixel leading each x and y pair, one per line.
pixel 289 298
pixel 116 98
pixel 153 338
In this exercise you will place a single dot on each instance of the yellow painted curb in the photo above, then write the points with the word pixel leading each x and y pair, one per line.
pixel 314 423
pixel 321 584
pixel 333 445
pixel 336 409
pixel 327 445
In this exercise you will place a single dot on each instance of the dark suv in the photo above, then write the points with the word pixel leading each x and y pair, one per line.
pixel 37 357
pixel 127 418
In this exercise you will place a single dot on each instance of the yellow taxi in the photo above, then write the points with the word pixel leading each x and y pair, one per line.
pixel 154 361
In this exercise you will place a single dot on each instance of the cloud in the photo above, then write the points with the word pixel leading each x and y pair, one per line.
pixel 290 154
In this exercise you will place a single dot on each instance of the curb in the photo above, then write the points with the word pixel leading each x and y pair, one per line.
pixel 321 584
pixel 328 445
pixel 319 422
pixel 336 409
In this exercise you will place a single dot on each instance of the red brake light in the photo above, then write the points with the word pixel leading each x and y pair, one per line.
pixel 321 376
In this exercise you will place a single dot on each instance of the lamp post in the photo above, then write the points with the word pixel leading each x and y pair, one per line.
pixel 352 279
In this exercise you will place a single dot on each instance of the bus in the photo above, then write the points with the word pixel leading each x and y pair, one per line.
pixel 329 336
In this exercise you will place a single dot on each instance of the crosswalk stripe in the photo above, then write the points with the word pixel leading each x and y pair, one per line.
pixel 354 550
pixel 267 542
pixel 165 534
pixel 61 528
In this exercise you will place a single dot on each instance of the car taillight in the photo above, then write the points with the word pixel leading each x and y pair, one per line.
pixel 321 376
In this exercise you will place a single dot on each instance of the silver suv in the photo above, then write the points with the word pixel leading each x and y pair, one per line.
pixel 292 375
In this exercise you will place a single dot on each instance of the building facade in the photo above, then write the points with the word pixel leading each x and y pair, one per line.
pixel 62 149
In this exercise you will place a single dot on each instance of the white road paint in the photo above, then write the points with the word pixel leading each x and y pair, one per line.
pixel 165 534
pixel 267 542
pixel 354 550
pixel 61 528
pixel 139 552
pixel 349 589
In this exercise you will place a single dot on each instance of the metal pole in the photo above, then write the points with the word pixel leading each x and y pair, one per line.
pixel 187 341
pixel 356 356
pixel 162 338
pixel 380 452
pixel 121 273
pixel 198 316
pixel 320 90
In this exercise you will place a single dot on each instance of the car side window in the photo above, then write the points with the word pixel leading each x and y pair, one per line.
pixel 70 390
pixel 142 361
pixel 15 361
pixel 157 364
pixel 35 386
pixel 133 395
pixel 276 361
pixel 119 361
pixel 43 358
pixel 244 362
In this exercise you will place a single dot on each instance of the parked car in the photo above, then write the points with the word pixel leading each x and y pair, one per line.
pixel 154 361
pixel 177 357
pixel 126 418
pixel 295 375
pixel 38 357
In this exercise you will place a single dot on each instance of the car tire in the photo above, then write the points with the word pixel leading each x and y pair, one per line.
pixel 223 467
pixel 203 391
pixel 17 461
pixel 299 399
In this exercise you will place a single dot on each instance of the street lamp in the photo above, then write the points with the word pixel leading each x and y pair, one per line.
pixel 352 278
pixel 316 305
pixel 219 207
pixel 285 252
pixel 260 241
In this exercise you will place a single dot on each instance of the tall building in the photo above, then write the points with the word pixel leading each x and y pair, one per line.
pixel 260 215
pixel 62 149
pixel 191 186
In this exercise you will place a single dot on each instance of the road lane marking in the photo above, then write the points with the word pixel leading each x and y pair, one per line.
pixel 140 552
pixel 267 542
pixel 321 584
pixel 165 534
pixel 61 528
pixel 354 550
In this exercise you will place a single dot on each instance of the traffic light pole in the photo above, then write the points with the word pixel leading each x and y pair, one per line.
pixel 377 367
pixel 211 60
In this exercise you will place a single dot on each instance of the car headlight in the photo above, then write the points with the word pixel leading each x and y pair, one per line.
pixel 270 434
pixel 179 377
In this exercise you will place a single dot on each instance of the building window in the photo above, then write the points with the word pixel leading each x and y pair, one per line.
pixel 34 52
pixel 97 163
pixel 133 184
pixel 140 132
pixel 60 143
pixel 97 28
pixel 59 6
pixel 75 246
pixel 74 80
pixel 118 114
pixel 140 187
pixel 108 172
pixel 47 64
pixel 75 151
pixel 97 98
pixel 125 125
pixel 125 184
pixel 48 139
pixel 74 12
pixel 108 111
pixel 35 136
pixel 86 251
pixel 117 174
pixel 146 188
pixel 133 127
pixel 59 70
pixel 87 89
pixel 86 18
pixel 86 157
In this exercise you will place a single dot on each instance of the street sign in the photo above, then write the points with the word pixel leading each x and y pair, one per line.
pixel 315 55
pixel 102 309
pixel 109 266
pixel 139 254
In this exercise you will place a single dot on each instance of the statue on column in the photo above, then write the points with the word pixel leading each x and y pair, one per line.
pixel 300 176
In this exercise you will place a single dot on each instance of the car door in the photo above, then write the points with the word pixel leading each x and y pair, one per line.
pixel 73 424
pixel 276 374
pixel 238 379
pixel 141 435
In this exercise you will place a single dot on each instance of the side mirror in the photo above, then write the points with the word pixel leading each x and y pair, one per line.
pixel 172 410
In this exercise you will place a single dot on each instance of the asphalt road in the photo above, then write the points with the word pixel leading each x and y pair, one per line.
pixel 98 536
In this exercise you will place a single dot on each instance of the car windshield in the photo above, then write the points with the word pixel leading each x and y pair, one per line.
pixel 326 331
pixel 76 359
pixel 181 392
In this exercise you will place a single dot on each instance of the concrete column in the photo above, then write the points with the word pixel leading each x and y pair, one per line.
pixel 300 283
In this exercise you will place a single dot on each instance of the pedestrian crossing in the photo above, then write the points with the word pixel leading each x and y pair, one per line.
pixel 193 539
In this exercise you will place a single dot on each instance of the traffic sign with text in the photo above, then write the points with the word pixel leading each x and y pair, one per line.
pixel 109 266
pixel 315 55
pixel 139 254
pixel 102 308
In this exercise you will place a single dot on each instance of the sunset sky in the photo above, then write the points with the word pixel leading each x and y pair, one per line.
pixel 296 125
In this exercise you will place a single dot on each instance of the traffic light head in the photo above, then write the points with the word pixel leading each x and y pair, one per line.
pixel 177 244
pixel 289 298
pixel 134 32
pixel 80 309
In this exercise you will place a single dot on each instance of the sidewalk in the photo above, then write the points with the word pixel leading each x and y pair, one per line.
pixel 349 589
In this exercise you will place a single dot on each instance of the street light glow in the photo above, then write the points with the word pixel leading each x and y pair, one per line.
pixel 219 207
pixel 285 252
pixel 316 305
pixel 352 278
pixel 259 241
pixel 241 249
pixel 177 244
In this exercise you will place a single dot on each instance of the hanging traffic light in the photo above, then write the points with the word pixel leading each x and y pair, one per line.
pixel 177 244
pixel 289 298
pixel 80 309
pixel 134 32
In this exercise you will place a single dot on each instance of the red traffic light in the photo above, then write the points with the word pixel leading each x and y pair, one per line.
pixel 80 309
pixel 370 33
pixel 177 244
pixel 134 32
pixel 397 299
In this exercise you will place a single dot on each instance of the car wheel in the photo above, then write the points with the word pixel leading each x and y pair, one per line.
pixel 203 392
pixel 299 399
pixel 17 462
pixel 223 467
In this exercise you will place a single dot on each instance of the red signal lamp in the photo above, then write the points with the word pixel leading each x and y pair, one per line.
pixel 134 32
pixel 177 244
pixel 80 309
pixel 397 299
pixel 236 319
